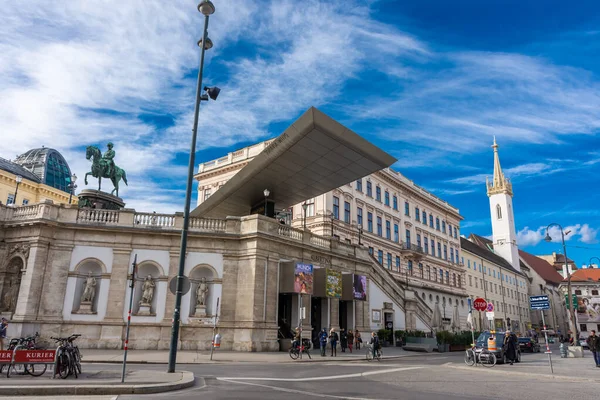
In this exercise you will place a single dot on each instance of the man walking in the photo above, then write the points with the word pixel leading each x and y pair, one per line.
pixel 333 339
pixel 3 327
pixel 593 342
pixel 323 341
pixel 510 347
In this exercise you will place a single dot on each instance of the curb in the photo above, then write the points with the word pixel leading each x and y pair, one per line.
pixel 520 373
pixel 187 380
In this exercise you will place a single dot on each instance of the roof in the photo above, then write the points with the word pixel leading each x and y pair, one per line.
pixel 556 258
pixel 49 165
pixel 16 169
pixel 313 156
pixel 585 275
pixel 487 254
pixel 543 268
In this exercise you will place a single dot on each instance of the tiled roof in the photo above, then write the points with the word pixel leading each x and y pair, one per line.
pixel 487 254
pixel 16 169
pixel 585 275
pixel 542 267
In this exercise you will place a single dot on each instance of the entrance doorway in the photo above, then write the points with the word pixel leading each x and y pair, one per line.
pixel 284 316
pixel 316 317
pixel 343 314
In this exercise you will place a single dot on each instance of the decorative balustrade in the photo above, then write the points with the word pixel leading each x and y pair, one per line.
pixel 289 232
pixel 208 224
pixel 95 216
pixel 154 220
pixel 320 241
pixel 23 212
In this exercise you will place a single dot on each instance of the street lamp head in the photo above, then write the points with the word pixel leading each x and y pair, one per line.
pixel 213 92
pixel 548 238
pixel 208 45
pixel 304 206
pixel 206 7
pixel 73 178
pixel 266 192
pixel 19 178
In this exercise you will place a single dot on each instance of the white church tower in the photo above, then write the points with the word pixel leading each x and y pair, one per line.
pixel 500 192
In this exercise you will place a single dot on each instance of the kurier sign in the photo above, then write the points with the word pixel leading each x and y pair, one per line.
pixel 34 356
pixel 6 356
pixel 480 304
pixel 539 302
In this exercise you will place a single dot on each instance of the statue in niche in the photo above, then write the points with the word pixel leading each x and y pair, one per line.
pixel 90 289
pixel 9 300
pixel 201 292
pixel 148 290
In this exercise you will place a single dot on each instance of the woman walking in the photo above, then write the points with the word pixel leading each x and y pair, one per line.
pixel 350 340
pixel 343 340
pixel 333 339
pixel 358 339
pixel 510 347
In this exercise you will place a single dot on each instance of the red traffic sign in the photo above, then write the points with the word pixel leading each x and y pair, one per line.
pixel 480 304
pixel 490 307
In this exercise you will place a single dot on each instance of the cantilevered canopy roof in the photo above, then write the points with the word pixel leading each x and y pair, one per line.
pixel 313 156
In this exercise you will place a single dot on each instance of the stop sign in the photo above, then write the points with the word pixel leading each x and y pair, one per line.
pixel 480 304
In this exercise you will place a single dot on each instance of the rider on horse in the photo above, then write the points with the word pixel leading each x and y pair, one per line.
pixel 108 157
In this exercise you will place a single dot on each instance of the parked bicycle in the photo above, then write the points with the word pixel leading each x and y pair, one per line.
pixel 24 343
pixel 378 352
pixel 68 357
pixel 303 348
pixel 483 357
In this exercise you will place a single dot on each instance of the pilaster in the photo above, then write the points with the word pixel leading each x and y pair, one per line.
pixel 118 282
pixel 31 282
pixel 55 282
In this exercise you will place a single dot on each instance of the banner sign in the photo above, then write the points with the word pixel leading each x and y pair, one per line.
pixel 5 356
pixel 303 278
pixel 34 356
pixel 334 284
pixel 359 287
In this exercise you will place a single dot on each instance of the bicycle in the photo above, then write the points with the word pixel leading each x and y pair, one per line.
pixel 303 348
pixel 378 352
pixel 484 357
pixel 25 343
pixel 68 358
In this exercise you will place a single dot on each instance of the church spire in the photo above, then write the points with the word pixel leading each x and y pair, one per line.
pixel 499 183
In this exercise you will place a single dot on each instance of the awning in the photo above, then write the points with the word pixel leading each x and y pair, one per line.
pixel 315 155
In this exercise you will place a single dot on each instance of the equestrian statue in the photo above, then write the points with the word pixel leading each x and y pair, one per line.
pixel 103 166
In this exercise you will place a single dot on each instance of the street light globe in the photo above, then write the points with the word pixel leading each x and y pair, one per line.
pixel 548 238
pixel 73 178
pixel 208 45
pixel 266 192
pixel 19 178
pixel 206 7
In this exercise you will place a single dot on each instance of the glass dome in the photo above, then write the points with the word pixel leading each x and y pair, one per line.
pixel 49 165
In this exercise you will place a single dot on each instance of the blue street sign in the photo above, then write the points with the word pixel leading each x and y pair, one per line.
pixel 539 302
pixel 469 303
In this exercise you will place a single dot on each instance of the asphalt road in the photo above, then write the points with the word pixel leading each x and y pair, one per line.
pixel 427 377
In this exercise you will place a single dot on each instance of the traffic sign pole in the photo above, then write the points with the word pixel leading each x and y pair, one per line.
pixel 547 345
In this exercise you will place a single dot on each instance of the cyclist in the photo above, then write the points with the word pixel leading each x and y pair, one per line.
pixel 296 342
pixel 374 344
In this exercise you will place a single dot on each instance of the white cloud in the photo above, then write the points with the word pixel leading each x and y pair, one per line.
pixel 527 237
pixel 588 235
pixel 582 233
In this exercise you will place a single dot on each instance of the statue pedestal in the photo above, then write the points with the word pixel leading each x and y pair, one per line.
pixel 100 200
pixel 86 308
pixel 200 311
pixel 145 310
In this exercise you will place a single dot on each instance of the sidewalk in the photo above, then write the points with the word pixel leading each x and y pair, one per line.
pixel 219 356
pixel 96 383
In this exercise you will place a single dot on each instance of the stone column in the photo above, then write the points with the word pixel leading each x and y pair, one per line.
pixel 118 285
pixel 164 341
pixel 334 312
pixel 55 282
pixel 31 282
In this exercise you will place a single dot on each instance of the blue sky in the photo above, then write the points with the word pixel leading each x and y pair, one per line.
pixel 431 82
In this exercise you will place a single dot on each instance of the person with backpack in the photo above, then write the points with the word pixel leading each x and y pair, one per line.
pixel 374 344
pixel 333 339
pixel 323 341
pixel 343 340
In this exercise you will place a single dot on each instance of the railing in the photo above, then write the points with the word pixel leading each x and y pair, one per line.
pixel 412 247
pixel 98 216
pixel 207 224
pixel 289 232
pixel 320 241
pixel 23 212
pixel 154 220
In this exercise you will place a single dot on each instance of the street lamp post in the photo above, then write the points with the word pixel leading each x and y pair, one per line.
pixel 207 8
pixel 304 207
pixel 266 192
pixel 570 306
pixel 19 179
pixel 72 187
pixel 590 262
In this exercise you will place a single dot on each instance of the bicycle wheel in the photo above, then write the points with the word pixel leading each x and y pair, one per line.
pixel 62 365
pixel 36 369
pixel 77 360
pixel 73 365
pixel 469 358
pixel 294 354
pixel 17 369
pixel 489 360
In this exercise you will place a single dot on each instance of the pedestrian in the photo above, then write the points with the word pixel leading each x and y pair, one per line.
pixel 296 342
pixel 333 339
pixel 357 338
pixel 510 350
pixel 343 340
pixel 323 341
pixel 593 342
pixel 350 340
pixel 3 326
pixel 374 344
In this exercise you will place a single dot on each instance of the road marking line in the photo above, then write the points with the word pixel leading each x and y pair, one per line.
pixel 287 390
pixel 320 378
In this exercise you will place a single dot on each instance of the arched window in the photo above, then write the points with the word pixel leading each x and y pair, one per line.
pixel 498 211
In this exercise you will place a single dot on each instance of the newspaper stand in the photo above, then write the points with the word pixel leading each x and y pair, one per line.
pixel 25 356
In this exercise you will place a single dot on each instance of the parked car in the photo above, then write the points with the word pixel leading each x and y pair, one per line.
pixel 482 343
pixel 529 344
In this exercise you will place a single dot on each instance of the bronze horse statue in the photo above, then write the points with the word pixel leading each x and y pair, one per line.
pixel 100 168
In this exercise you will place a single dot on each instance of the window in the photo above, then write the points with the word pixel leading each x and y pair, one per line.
pixel 451 255
pixel 25 202
pixel 476 283
pixel 370 250
pixel 426 244
pixel 359 216
pixel 396 233
pixel 435 274
pixel 388 230
pixel 387 198
pixel 348 241
pixel 397 263
pixel 445 252
pixel 424 217
pixel 469 264
pixel 408 237
pixel 578 293
pixel 428 272
pixel 410 268
pixel 421 269
pixel 346 212
pixel 370 222
pixel 336 207
pixel 417 214
pixel 207 193
pixel 594 293
pixel 406 209
pixel 441 276
pixel 389 260
pixel 470 280
pixel 379 227
pixel 443 226
pixel 378 193
pixel 455 233
pixel 380 256
pixel 432 247
pixel 310 208
pixel 395 203
pixel 498 211
pixel 437 224
pixel 450 229
pixel 369 189
pixel 359 185
pixel 430 221
pixel 439 250
pixel 418 240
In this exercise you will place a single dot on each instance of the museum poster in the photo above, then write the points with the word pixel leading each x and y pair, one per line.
pixel 359 287
pixel 303 278
pixel 334 284
pixel 588 309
